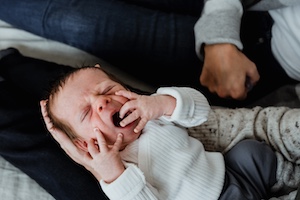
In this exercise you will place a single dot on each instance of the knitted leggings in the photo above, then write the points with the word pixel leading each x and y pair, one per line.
pixel 279 127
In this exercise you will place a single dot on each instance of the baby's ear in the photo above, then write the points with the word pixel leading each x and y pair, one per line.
pixel 97 65
pixel 81 144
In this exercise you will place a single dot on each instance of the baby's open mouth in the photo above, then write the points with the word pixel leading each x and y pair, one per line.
pixel 116 119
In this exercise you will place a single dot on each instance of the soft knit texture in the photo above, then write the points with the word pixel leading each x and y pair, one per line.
pixel 165 162
pixel 277 126
pixel 220 21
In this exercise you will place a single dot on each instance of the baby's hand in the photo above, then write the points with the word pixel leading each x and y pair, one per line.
pixel 145 108
pixel 106 159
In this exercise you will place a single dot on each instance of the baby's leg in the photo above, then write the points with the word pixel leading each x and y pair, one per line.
pixel 250 171
pixel 277 126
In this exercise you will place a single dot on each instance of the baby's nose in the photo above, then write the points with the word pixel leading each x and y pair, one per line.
pixel 102 103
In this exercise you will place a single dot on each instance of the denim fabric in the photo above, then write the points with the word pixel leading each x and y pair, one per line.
pixel 142 38
pixel 150 39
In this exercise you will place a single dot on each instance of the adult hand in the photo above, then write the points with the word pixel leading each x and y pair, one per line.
pixel 227 71
pixel 78 155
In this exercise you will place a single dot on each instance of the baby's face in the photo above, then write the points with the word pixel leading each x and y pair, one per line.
pixel 88 101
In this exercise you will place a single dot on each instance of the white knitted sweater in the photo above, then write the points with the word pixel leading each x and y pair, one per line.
pixel 165 162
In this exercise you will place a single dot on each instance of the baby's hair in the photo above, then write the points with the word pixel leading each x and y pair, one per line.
pixel 56 87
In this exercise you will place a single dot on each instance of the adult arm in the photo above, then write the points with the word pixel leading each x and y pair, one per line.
pixel 220 21
pixel 277 126
pixel 226 70
pixel 217 33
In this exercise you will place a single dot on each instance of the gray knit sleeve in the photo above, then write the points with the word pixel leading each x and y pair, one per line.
pixel 219 23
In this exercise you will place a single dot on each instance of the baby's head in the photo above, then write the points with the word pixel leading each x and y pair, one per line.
pixel 85 99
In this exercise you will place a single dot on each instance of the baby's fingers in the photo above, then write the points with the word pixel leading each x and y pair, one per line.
pixel 130 118
pixel 128 94
pixel 118 143
pixel 140 125
pixel 128 107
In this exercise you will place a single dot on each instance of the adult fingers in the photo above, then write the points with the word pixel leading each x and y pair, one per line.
pixel 69 147
pixel 92 148
pixel 46 118
pixel 58 135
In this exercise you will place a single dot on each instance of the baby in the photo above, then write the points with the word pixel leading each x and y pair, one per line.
pixel 138 147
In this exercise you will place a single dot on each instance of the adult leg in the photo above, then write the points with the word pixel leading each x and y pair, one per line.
pixel 152 44
pixel 144 39
pixel 150 39
pixel 25 142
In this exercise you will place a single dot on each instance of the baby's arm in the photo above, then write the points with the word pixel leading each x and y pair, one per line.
pixel 145 108
pixel 131 185
pixel 191 109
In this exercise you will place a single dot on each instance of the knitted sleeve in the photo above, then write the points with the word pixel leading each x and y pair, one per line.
pixel 220 21
pixel 131 185
pixel 192 107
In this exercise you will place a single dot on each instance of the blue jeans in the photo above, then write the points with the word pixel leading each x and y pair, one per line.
pixel 152 40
